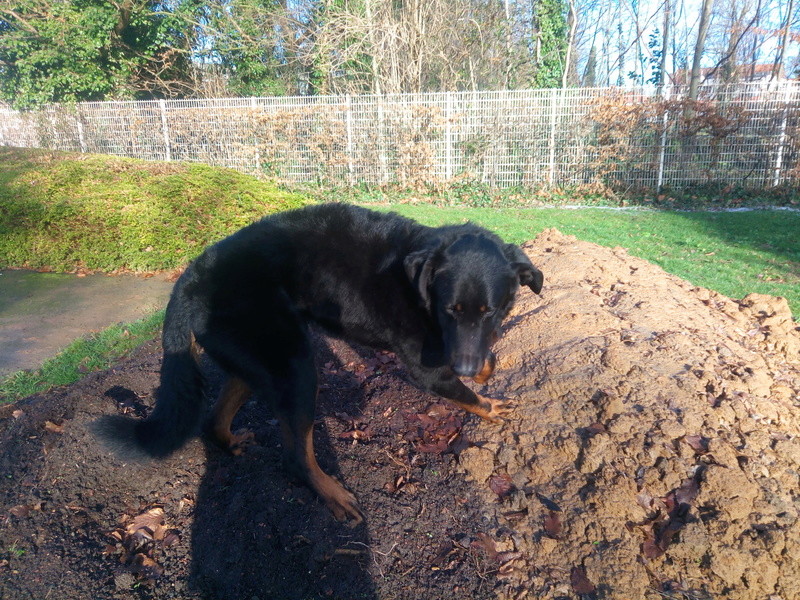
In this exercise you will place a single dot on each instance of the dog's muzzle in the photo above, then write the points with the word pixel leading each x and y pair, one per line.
pixel 468 365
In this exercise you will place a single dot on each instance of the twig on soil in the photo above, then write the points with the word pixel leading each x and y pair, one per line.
pixel 373 552
pixel 406 467
pixel 687 594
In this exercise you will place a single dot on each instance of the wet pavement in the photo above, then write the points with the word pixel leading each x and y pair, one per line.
pixel 41 313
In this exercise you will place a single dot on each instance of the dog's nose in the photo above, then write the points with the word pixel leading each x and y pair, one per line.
pixel 467 366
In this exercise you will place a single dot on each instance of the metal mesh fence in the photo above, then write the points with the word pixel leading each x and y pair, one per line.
pixel 744 134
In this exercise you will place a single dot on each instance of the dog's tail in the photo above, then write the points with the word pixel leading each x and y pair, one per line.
pixel 179 407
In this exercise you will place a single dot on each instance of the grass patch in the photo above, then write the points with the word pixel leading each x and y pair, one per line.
pixel 469 194
pixel 66 212
pixel 734 253
pixel 84 355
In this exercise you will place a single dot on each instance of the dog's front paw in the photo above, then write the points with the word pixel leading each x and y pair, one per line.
pixel 493 410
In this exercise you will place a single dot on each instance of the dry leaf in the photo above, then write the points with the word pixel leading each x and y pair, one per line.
pixel 485 543
pixel 501 484
pixel 580 582
pixel 53 428
pixel 552 525
pixel 21 511
pixel 146 567
pixel 698 443
pixel 149 520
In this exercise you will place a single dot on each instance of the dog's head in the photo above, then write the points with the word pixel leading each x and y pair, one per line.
pixel 468 287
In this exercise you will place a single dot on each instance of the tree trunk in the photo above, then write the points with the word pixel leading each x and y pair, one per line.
pixel 776 68
pixel 699 48
pixel 662 62
pixel 572 21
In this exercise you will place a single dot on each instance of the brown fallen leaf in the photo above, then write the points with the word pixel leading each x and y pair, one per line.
pixel 580 582
pixel 552 525
pixel 145 567
pixel 485 542
pixel 440 559
pixel 501 485
pixel 53 428
pixel 20 511
pixel 687 493
pixel 677 505
pixel 698 443
pixel 150 523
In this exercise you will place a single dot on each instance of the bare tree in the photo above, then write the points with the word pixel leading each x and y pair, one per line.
pixel 662 62
pixel 781 52
pixel 572 22
pixel 699 48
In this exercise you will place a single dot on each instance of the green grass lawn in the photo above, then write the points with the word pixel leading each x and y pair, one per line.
pixel 67 212
pixel 734 253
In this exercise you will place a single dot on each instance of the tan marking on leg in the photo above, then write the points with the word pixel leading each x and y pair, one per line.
pixel 339 501
pixel 234 394
pixel 194 348
pixel 487 371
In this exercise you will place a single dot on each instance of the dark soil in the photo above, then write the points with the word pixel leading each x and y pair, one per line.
pixel 235 526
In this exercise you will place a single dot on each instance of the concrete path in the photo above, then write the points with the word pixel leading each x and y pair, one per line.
pixel 40 313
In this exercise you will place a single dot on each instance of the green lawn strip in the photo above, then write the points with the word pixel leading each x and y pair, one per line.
pixel 734 253
pixel 86 354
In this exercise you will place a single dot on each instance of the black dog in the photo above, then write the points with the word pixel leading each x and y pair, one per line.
pixel 434 296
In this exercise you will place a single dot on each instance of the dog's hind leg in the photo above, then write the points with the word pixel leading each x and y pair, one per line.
pixel 295 407
pixel 267 346
pixel 233 395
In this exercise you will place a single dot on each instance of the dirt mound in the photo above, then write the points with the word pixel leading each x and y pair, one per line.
pixel 653 453
pixel 655 445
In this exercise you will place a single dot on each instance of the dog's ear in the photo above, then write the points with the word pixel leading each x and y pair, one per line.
pixel 419 269
pixel 527 273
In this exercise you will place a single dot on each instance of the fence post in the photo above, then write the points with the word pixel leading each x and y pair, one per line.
pixel 448 136
pixel 164 130
pixel 348 115
pixel 79 124
pixel 253 107
pixel 662 152
pixel 782 139
pixel 383 159
pixel 551 174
